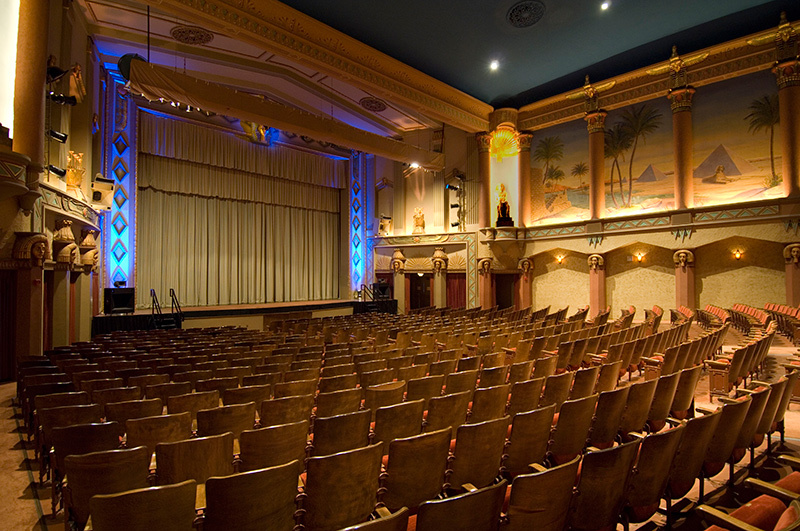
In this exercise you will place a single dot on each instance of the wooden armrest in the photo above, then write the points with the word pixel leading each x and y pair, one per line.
pixel 790 460
pixel 592 449
pixel 674 422
pixel 554 352
pixel 637 435
pixel 760 383
pixel 469 487
pixel 717 517
pixel 383 512
pixel 703 410
pixel 712 364
pixel 536 467
pixel 509 350
pixel 764 487
pixel 471 347
pixel 652 361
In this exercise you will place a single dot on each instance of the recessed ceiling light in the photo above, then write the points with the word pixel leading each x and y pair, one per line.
pixel 605 5
pixel 494 65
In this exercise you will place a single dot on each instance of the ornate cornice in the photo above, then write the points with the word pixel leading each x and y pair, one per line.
pixel 724 61
pixel 280 29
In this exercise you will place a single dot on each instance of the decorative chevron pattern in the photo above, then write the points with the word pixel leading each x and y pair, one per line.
pixel 557 231
pixel 737 213
pixel 119 230
pixel 358 260
pixel 636 223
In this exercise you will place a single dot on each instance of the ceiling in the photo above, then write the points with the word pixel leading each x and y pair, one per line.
pixel 450 43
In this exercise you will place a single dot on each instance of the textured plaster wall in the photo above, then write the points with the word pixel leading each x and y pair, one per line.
pixel 755 279
pixel 559 285
pixel 641 284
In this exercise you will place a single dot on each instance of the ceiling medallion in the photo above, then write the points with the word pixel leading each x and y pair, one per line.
pixel 372 104
pixel 191 35
pixel 526 13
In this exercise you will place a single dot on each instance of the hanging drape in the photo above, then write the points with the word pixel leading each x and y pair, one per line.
pixel 456 290
pixel 223 236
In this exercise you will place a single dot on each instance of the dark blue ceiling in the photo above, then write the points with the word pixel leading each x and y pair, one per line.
pixel 455 40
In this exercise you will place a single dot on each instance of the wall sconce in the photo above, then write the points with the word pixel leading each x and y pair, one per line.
pixel 420 274
pixel 737 254
pixel 560 258
pixel 639 257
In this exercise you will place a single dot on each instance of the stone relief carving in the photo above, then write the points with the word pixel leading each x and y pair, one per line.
pixel 791 253
pixel 398 261
pixel 524 265
pixel 32 247
pixel 485 266
pixel 64 231
pixel 683 258
pixel 439 260
pixel 595 261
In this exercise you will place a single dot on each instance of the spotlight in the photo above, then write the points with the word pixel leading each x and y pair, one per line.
pixel 494 65
pixel 452 187
pixel 454 205
pixel 58 171
pixel 62 99
pixel 119 283
pixel 605 5
pixel 55 73
pixel 455 223
pixel 56 135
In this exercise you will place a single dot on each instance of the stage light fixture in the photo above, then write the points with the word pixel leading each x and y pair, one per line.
pixel 62 99
pixel 451 187
pixel 454 205
pixel 454 224
pixel 58 171
pixel 55 73
pixel 57 135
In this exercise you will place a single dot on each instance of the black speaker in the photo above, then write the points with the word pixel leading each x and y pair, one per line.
pixel 119 300
pixel 381 291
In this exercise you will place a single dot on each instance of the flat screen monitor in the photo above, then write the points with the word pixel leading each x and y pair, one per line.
pixel 381 291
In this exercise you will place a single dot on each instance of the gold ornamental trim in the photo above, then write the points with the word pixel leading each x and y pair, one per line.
pixel 280 29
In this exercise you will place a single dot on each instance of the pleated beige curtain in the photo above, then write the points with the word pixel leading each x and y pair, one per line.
pixel 224 236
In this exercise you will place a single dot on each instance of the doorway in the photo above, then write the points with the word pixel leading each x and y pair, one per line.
pixel 420 296
pixel 504 288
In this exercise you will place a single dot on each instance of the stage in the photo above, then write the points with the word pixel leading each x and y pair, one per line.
pixel 255 316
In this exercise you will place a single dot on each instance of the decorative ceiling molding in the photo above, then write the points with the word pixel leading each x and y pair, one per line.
pixel 283 30
pixel 727 60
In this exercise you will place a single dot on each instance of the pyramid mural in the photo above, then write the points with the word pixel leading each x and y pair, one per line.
pixel 651 174
pixel 732 163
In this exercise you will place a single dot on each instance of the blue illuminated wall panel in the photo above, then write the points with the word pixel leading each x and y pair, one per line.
pixel 119 225
pixel 357 220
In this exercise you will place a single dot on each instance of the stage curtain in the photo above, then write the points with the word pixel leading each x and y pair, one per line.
pixel 175 139
pixel 456 290
pixel 222 236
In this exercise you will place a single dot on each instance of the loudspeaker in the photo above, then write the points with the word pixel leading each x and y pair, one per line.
pixel 102 193
pixel 119 300
pixel 381 291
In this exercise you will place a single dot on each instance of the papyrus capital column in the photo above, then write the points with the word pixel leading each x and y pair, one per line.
pixel 681 103
pixel 787 74
pixel 595 124
pixel 484 175
pixel 524 186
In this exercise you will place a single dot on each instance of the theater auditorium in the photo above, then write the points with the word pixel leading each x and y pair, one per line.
pixel 394 266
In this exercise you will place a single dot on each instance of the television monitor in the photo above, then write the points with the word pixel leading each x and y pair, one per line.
pixel 381 291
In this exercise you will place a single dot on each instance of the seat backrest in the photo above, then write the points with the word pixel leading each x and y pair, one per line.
pixel 599 495
pixel 235 418
pixel 525 396
pixel 197 459
pixel 691 451
pixel 415 470
pixel 584 382
pixel 662 400
pixel 479 509
pixel 478 450
pixel 571 432
pixel 338 383
pixel 684 393
pixel 770 410
pixel 425 388
pixel 530 436
pixel 338 402
pixel 341 432
pixel 723 441
pixel 149 431
pixel 377 396
pixel 608 417
pixel 115 394
pixel 295 388
pixel 556 389
pixel 286 410
pixel 167 508
pixel 449 410
pixel 218 384
pixel 489 403
pixel 242 395
pixel 82 439
pixel 640 397
pixel 341 489
pixel 132 409
pixel 461 381
pixel 104 472
pixel 56 417
pixel 649 481
pixel 193 402
pixel 540 500
pixel 397 521
pixel 273 445
pixel 238 501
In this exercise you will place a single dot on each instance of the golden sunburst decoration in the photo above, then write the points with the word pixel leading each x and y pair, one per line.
pixel 505 143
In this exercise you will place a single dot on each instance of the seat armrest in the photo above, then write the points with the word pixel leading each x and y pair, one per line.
pixel 764 487
pixel 717 517
pixel 790 460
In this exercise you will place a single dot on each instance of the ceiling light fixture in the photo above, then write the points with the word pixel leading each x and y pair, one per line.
pixel 605 5
pixel 414 165
pixel 494 65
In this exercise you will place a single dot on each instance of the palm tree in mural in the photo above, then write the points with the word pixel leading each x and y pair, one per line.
pixel 764 115
pixel 616 143
pixel 549 149
pixel 579 170
pixel 554 173
pixel 638 122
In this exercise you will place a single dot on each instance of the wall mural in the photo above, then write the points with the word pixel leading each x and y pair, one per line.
pixel 736 141
pixel 736 154
pixel 560 159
